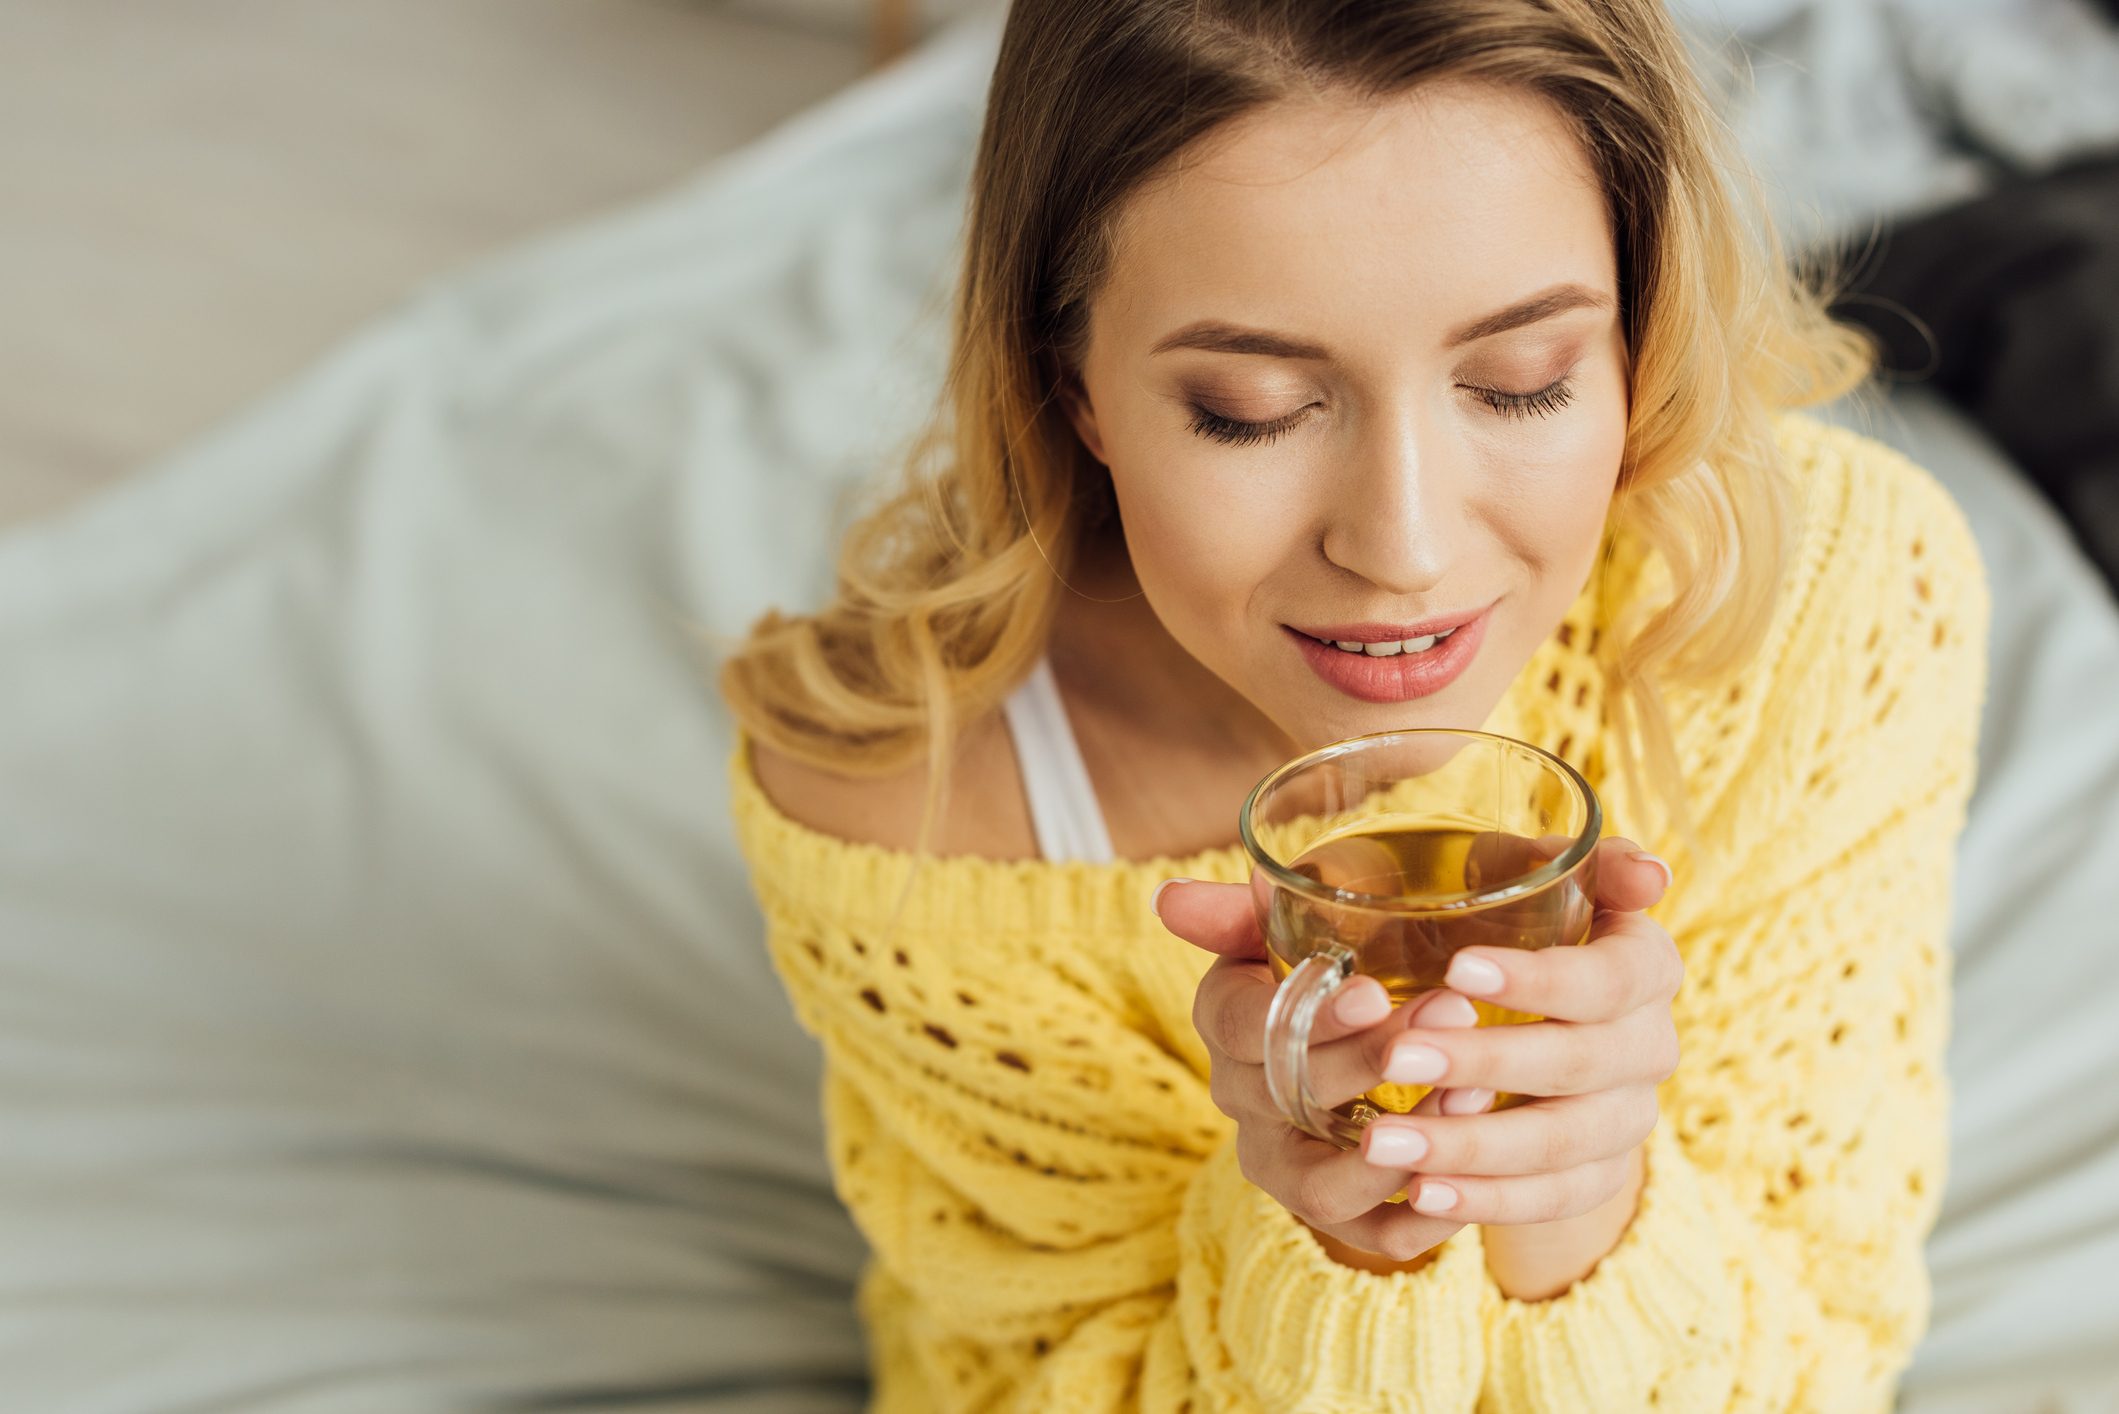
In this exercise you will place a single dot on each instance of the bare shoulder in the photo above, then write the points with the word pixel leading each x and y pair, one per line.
pixel 985 815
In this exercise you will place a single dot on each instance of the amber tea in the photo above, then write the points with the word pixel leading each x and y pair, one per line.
pixel 1409 953
pixel 1386 855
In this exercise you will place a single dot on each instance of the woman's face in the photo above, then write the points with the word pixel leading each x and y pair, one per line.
pixel 1358 374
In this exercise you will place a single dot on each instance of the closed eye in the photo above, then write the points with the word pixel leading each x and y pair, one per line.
pixel 1242 434
pixel 1543 402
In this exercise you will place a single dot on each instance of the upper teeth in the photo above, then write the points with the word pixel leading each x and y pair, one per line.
pixel 1385 650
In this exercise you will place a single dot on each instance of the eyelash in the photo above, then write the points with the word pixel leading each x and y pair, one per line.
pixel 1546 401
pixel 1227 430
pixel 1242 434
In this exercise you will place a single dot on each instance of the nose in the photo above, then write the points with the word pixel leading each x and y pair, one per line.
pixel 1398 513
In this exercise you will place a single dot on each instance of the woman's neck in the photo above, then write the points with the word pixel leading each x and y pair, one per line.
pixel 1171 749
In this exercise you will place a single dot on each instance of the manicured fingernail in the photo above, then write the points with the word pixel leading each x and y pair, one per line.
pixel 1642 856
pixel 1415 1065
pixel 1466 1102
pixel 1435 1198
pixel 1392 1146
pixel 1446 1011
pixel 1360 1006
pixel 1474 975
pixel 1155 899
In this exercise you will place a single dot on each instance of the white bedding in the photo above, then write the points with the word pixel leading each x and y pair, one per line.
pixel 2026 1257
pixel 384 1023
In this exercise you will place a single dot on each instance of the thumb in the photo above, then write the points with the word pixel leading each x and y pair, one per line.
pixel 1629 878
pixel 1216 917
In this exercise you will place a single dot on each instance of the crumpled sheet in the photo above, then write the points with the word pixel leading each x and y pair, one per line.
pixel 1860 111
pixel 384 1021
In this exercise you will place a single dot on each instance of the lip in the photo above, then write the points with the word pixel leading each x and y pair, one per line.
pixel 1403 676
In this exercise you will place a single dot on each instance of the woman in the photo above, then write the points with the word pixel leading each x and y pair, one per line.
pixel 1322 368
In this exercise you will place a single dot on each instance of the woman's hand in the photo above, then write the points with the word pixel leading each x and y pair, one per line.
pixel 1554 1180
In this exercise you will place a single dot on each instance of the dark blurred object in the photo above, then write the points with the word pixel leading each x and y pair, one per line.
pixel 2010 305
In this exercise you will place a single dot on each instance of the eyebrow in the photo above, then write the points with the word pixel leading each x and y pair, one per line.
pixel 1543 305
pixel 1230 338
pixel 1235 339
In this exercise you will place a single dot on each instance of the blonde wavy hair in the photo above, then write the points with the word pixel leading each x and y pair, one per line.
pixel 947 589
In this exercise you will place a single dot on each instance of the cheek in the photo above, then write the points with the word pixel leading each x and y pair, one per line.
pixel 1192 565
pixel 1203 528
pixel 1550 486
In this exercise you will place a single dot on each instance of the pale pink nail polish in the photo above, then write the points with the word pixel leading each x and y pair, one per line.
pixel 1155 899
pixel 1395 1147
pixel 1642 856
pixel 1446 1011
pixel 1474 975
pixel 1435 1198
pixel 1415 1065
pixel 1466 1102
pixel 1359 1006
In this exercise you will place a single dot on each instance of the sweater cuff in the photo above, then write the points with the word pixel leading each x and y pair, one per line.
pixel 1658 1324
pixel 1275 1325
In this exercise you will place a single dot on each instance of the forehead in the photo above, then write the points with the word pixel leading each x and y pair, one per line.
pixel 1454 196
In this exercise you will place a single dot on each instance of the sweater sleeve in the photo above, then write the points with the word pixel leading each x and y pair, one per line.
pixel 1775 1262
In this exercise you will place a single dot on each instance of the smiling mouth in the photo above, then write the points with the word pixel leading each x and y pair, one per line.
pixel 1392 649
pixel 1386 662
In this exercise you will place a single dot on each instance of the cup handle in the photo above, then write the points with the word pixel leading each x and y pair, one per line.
pixel 1288 1025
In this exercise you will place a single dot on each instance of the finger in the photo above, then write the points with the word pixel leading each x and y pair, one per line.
pixel 1360 1002
pixel 1441 1010
pixel 1395 1231
pixel 1229 1009
pixel 1352 1065
pixel 1454 1102
pixel 1217 917
pixel 1545 1136
pixel 1320 1183
pixel 1346 1065
pixel 1239 1090
pixel 1341 1069
pixel 1529 1058
pixel 1531 1198
pixel 1235 996
pixel 1628 963
pixel 1464 1102
pixel 1629 878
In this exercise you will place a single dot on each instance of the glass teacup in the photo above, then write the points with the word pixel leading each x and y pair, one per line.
pixel 1385 855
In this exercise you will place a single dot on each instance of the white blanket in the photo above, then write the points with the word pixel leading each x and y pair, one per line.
pixel 384 1022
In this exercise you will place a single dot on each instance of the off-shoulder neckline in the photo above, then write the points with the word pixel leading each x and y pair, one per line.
pixel 747 788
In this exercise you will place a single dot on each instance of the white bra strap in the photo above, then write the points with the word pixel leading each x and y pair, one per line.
pixel 1063 808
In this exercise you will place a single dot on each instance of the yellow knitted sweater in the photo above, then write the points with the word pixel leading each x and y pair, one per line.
pixel 1017 1101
